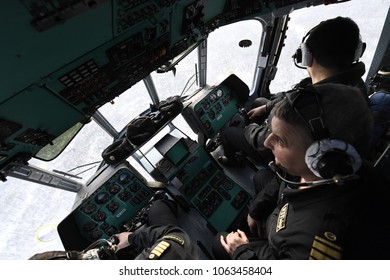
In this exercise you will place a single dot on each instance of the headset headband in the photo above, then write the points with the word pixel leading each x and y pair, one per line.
pixel 299 101
pixel 326 157
pixel 303 56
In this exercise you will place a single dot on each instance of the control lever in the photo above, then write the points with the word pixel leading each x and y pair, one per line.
pixel 142 216
pixel 101 249
pixel 244 113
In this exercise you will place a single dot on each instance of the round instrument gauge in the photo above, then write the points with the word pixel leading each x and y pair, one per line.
pixel 213 97
pixel 102 197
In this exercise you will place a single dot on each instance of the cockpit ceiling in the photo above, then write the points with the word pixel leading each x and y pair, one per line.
pixel 62 60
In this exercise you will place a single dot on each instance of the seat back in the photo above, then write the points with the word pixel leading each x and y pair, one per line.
pixel 379 103
pixel 379 152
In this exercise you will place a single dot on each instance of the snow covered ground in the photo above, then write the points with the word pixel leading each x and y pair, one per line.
pixel 30 212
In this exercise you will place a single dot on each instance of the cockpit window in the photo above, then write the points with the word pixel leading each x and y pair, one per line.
pixel 52 150
pixel 233 49
pixel 128 105
pixel 243 45
pixel 301 22
pixel 181 80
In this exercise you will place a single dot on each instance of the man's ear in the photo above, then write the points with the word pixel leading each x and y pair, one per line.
pixel 309 69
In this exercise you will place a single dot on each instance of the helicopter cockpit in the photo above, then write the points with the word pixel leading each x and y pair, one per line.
pixel 147 86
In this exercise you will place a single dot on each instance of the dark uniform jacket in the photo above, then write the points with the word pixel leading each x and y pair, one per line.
pixel 163 243
pixel 351 77
pixel 327 222
pixel 255 135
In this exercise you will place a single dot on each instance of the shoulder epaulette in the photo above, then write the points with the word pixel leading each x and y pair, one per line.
pixel 158 250
pixel 325 249
pixel 175 238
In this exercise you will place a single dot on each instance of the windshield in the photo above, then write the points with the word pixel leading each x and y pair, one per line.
pixel 92 140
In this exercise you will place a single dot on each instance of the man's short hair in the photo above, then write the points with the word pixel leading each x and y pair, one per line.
pixel 344 111
pixel 333 42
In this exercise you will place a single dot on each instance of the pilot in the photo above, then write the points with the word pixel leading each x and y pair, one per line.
pixel 162 239
pixel 330 52
pixel 332 205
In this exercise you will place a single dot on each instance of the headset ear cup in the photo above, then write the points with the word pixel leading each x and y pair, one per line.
pixel 334 163
pixel 307 57
pixel 303 56
pixel 330 157
pixel 298 56
pixel 361 47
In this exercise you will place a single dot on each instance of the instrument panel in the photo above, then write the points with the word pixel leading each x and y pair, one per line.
pixel 211 108
pixel 108 209
pixel 201 183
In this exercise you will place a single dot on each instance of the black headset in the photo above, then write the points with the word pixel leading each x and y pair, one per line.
pixel 303 57
pixel 327 158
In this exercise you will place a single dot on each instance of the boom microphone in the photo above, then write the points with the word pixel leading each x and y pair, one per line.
pixel 337 179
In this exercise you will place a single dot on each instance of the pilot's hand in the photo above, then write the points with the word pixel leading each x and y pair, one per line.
pixel 256 227
pixel 233 241
pixel 257 112
pixel 123 238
